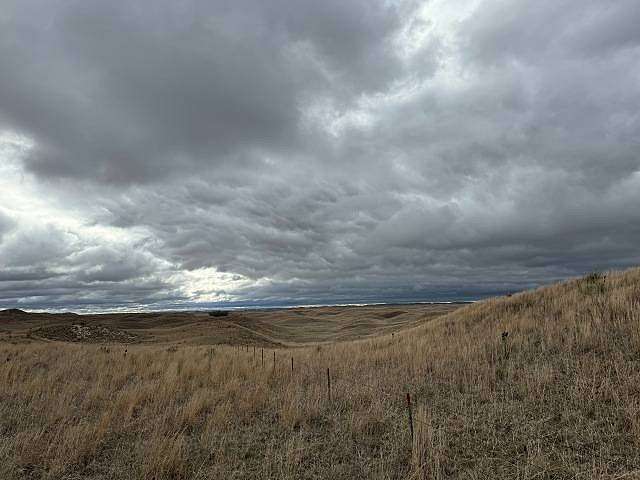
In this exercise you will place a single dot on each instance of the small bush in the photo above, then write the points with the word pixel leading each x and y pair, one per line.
pixel 593 284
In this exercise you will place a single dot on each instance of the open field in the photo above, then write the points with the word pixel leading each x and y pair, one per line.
pixel 540 385
pixel 274 328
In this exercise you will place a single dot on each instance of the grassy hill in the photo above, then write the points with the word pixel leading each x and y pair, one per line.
pixel 266 328
pixel 541 385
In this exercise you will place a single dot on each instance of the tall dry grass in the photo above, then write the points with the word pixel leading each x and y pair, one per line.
pixel 556 398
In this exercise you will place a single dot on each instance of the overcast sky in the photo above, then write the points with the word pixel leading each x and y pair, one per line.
pixel 164 154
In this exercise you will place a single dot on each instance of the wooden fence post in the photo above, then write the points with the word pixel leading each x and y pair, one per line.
pixel 263 358
pixel 329 383
pixel 274 360
pixel 410 415
pixel 291 364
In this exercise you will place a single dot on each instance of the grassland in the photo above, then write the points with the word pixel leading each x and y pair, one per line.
pixel 267 328
pixel 541 385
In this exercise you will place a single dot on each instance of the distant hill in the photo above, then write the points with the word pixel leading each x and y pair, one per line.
pixel 13 311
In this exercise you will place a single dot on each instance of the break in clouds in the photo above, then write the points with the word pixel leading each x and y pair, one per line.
pixel 178 154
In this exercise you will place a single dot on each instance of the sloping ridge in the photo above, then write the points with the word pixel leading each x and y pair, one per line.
pixel 12 311
pixel 545 381
pixel 606 302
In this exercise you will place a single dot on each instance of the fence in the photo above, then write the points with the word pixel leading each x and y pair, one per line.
pixel 405 400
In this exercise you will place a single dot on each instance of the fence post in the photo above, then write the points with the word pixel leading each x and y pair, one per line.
pixel 274 360
pixel 329 383
pixel 291 364
pixel 410 415
pixel 263 358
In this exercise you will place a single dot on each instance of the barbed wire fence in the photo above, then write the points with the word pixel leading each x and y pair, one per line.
pixel 405 401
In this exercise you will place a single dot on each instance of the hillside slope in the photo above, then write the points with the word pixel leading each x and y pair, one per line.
pixel 260 328
pixel 544 384
pixel 541 385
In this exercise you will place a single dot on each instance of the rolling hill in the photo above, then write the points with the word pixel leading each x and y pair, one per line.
pixel 544 384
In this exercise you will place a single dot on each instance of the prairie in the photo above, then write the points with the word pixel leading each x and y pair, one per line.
pixel 283 327
pixel 544 384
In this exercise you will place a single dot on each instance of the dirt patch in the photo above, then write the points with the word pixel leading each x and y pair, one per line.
pixel 86 334
pixel 392 314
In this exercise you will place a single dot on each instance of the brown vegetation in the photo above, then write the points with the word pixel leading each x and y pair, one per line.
pixel 268 328
pixel 556 397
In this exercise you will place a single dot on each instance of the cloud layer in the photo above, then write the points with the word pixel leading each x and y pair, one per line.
pixel 164 154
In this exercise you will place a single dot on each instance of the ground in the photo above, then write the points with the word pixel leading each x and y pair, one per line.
pixel 282 328
pixel 540 385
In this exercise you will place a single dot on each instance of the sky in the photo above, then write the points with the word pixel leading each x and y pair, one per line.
pixel 189 154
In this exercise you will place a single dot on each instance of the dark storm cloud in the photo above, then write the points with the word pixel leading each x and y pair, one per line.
pixel 314 152
pixel 123 92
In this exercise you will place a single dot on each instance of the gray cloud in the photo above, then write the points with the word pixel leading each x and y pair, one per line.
pixel 124 93
pixel 47 267
pixel 6 224
pixel 316 151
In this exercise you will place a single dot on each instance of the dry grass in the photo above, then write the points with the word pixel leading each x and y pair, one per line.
pixel 267 328
pixel 558 398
